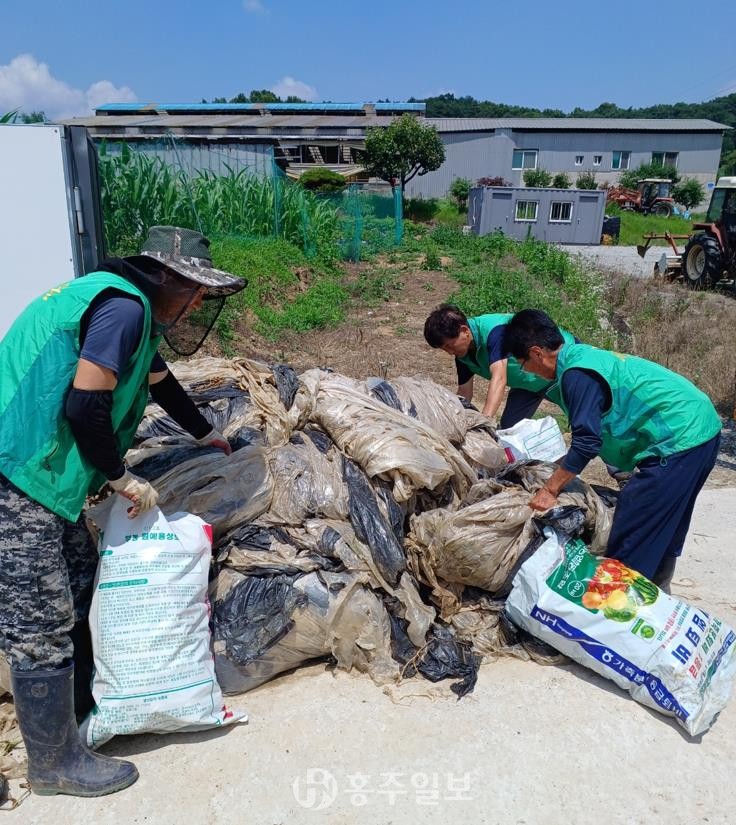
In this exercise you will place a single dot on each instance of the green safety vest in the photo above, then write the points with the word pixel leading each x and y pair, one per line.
pixel 516 377
pixel 38 361
pixel 654 412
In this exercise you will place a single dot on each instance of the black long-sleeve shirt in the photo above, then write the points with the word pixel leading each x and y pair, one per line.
pixel 587 396
pixel 110 332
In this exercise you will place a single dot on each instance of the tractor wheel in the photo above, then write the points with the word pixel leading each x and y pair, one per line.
pixel 702 261
pixel 664 210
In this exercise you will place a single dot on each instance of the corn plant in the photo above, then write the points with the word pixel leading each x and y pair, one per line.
pixel 140 191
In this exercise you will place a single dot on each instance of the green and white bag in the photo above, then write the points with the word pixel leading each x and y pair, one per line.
pixel 149 620
pixel 670 655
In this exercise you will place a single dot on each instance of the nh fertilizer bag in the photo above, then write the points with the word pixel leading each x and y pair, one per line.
pixel 670 655
pixel 149 620
pixel 539 439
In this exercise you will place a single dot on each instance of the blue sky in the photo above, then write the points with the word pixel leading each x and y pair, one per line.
pixel 67 57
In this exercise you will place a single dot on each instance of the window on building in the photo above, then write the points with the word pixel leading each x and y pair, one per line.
pixel 620 160
pixel 526 210
pixel 579 160
pixel 597 160
pixel 665 158
pixel 560 212
pixel 524 159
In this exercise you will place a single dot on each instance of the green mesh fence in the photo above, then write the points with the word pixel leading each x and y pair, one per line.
pixel 370 222
pixel 225 193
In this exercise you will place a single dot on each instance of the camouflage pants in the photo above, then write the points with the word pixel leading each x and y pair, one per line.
pixel 47 569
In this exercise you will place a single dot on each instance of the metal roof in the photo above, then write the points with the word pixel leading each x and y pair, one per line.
pixel 264 122
pixel 575 124
pixel 237 123
pixel 135 108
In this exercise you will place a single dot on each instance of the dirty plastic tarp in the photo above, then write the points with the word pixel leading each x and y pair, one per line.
pixel 384 442
pixel 264 626
pixel 480 544
pixel 310 514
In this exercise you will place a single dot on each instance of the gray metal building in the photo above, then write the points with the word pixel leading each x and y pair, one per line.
pixel 217 157
pixel 573 216
pixel 505 147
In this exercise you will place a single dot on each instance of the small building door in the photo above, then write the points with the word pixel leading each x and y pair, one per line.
pixel 587 220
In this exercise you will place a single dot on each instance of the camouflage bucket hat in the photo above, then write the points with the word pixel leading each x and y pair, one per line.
pixel 187 253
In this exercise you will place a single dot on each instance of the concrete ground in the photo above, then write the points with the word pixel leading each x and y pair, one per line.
pixel 623 260
pixel 532 745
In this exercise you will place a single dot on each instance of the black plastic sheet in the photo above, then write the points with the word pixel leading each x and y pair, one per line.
pixel 255 615
pixel 370 525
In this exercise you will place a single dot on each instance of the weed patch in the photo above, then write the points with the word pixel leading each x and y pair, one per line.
pixel 285 291
pixel 499 274
pixel 685 331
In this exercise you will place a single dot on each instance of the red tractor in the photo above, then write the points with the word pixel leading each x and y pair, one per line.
pixel 709 257
pixel 652 195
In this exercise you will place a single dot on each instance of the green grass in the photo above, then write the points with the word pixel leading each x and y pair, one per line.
pixel 280 299
pixel 634 225
pixel 449 215
pixel 498 274
pixel 375 285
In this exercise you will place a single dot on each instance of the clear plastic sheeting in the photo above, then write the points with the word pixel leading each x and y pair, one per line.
pixel 387 443
pixel 532 475
pixel 307 482
pixel 430 403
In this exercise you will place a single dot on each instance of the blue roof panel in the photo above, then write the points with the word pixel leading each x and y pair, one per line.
pixel 249 107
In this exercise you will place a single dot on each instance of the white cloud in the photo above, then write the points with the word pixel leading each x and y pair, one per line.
pixel 289 86
pixel 254 6
pixel 27 84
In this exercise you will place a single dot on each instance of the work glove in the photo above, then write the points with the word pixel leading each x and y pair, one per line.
pixel 215 439
pixel 137 490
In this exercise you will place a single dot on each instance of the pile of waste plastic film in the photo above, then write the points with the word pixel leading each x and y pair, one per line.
pixel 372 523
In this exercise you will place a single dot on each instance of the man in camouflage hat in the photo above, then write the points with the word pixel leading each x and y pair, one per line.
pixel 76 369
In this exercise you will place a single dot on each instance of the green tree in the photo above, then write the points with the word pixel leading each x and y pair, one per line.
pixel 9 117
pixel 322 180
pixel 631 177
pixel 460 190
pixel 537 178
pixel 728 163
pixel 402 150
pixel 561 181
pixel 586 180
pixel 257 96
pixel 689 193
pixel 33 117
pixel 262 96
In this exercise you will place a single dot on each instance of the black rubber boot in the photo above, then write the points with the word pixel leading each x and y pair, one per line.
pixel 57 761
pixel 663 576
pixel 83 668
